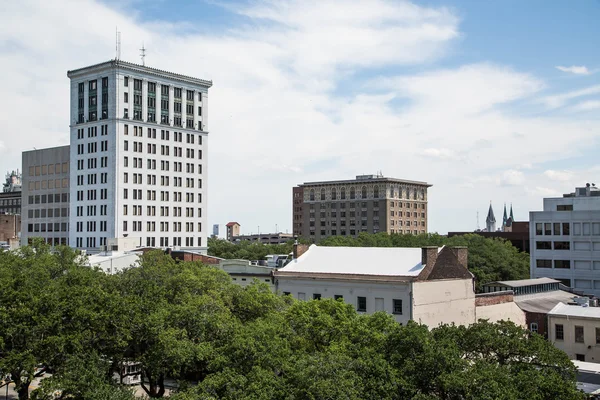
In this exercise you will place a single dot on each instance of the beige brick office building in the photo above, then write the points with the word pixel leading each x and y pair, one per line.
pixel 369 203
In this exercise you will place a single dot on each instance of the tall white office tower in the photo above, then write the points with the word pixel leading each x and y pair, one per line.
pixel 138 156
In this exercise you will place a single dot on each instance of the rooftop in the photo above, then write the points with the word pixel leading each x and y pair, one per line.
pixel 232 224
pixel 379 261
pixel 524 282
pixel 543 302
pixel 562 309
pixel 139 68
pixel 367 179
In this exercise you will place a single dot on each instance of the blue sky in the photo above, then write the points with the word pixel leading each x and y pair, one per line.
pixel 488 101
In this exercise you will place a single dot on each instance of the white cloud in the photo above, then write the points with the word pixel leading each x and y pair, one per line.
pixel 275 116
pixel 442 154
pixel 561 176
pixel 577 70
pixel 512 177
pixel 587 105
pixel 559 100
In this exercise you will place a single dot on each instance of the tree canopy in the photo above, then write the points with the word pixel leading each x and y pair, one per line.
pixel 188 322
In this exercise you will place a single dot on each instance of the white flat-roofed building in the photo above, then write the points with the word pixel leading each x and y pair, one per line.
pixel 575 329
pixel 138 156
pixel 429 285
pixel 565 240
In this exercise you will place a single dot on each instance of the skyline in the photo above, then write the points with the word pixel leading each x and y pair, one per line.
pixel 443 92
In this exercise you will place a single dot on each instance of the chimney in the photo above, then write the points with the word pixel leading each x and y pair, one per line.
pixel 461 253
pixel 299 249
pixel 429 255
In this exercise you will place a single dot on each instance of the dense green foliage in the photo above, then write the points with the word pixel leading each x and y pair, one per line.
pixel 189 322
pixel 489 259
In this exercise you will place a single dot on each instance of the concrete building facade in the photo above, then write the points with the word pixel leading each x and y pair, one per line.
pixel 369 203
pixel 45 195
pixel 138 156
pixel 565 240
pixel 264 238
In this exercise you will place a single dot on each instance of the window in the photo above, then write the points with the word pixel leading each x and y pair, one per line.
pixel 340 297
pixel 543 245
pixel 597 335
pixel 580 357
pixel 543 263
pixel 579 334
pixel 564 264
pixel 316 296
pixel 562 245
pixel 538 228
pixel 126 81
pixel 556 226
pixel 397 306
pixel 564 207
pixel 565 229
pixel 533 327
pixel 547 229
pixel 361 304
pixel 559 333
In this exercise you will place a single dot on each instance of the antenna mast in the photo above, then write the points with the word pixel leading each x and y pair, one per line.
pixel 477 220
pixel 117 44
pixel 143 54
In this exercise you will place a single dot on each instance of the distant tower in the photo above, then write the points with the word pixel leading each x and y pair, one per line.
pixel 490 221
pixel 512 217
pixel 504 218
pixel 509 221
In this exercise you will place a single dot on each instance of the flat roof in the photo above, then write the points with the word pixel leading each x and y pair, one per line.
pixel 365 261
pixel 139 68
pixel 542 302
pixel 524 282
pixel 368 180
pixel 566 310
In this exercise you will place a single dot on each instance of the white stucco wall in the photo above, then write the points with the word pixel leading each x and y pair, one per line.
pixel 589 348
pixel 444 302
pixel 379 295
pixel 509 311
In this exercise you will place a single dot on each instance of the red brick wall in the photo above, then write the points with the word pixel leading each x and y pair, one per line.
pixel 540 319
pixel 489 299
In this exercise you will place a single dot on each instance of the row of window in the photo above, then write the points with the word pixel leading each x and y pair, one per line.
pixel 406 193
pixel 49 227
pixel 361 302
pixel 52 241
pixel 151 149
pixel 10 202
pixel 164 135
pixel 559 333
pixel 48 184
pixel 363 205
pixel 547 245
pixel 48 213
pixel 549 228
pixel 353 232
pixel 49 169
pixel 561 264
pixel 50 198
pixel 151 211
pixel 163 226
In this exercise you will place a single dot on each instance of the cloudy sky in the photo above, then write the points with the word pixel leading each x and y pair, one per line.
pixel 487 101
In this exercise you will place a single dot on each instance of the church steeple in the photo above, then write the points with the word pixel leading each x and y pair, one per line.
pixel 490 221
pixel 512 218
pixel 504 218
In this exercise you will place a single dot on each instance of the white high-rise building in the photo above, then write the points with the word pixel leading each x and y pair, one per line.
pixel 565 239
pixel 138 156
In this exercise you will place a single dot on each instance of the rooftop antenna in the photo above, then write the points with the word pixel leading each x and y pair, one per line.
pixel 478 220
pixel 117 44
pixel 143 54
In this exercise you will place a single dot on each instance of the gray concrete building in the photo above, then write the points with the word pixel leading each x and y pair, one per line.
pixel 45 195
pixel 369 203
pixel 565 239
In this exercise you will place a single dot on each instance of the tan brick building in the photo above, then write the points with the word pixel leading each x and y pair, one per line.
pixel 369 203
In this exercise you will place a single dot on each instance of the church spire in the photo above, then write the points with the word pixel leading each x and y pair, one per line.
pixel 490 221
pixel 512 218
pixel 504 218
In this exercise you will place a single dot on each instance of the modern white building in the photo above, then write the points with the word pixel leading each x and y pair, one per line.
pixel 138 156
pixel 429 285
pixel 565 239
pixel 575 329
